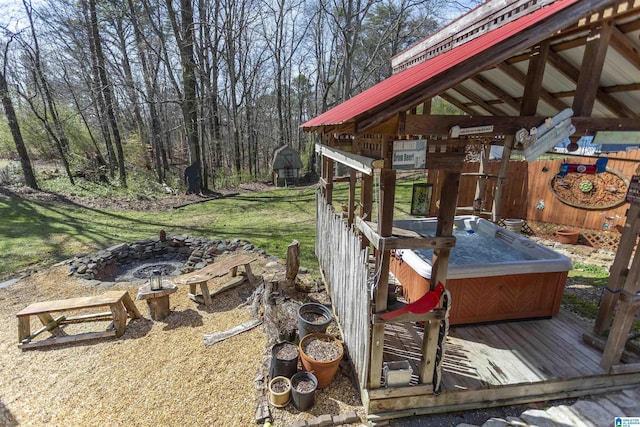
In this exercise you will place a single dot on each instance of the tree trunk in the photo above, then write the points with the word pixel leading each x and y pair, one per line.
pixel 185 39
pixel 106 90
pixel 25 162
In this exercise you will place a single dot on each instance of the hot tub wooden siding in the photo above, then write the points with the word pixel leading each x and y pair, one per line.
pixel 490 299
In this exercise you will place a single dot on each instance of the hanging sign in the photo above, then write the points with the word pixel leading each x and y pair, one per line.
pixel 457 131
pixel 409 154
pixel 633 192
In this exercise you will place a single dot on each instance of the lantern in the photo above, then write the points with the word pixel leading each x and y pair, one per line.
pixel 155 281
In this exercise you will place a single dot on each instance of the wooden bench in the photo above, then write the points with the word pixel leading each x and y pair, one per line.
pixel 119 302
pixel 217 269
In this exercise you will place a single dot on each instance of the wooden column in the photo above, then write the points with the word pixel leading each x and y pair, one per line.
pixel 533 83
pixel 502 177
pixel 618 271
pixel 592 63
pixel 366 202
pixel 481 183
pixel 440 262
pixel 627 307
pixel 385 225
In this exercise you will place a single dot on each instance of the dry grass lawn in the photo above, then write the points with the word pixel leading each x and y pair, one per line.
pixel 157 373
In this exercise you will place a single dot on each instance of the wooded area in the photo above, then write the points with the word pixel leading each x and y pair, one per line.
pixel 218 84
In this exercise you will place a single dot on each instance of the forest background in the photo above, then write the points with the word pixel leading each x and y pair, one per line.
pixel 120 88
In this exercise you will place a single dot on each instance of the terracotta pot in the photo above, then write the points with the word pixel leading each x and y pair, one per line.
pixel 568 237
pixel 280 399
pixel 324 371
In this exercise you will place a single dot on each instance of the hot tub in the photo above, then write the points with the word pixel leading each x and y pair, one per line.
pixel 494 274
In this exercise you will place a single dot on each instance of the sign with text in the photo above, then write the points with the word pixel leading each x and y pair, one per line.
pixel 409 154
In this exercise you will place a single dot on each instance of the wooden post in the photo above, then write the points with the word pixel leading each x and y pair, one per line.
pixel 366 202
pixel 385 225
pixel 481 183
pixel 618 270
pixel 440 262
pixel 502 177
pixel 293 262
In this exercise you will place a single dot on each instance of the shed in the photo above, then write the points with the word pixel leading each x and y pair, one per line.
pixel 509 66
pixel 286 166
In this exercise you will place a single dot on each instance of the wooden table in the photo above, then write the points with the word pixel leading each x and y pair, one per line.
pixel 158 301
pixel 217 269
pixel 119 302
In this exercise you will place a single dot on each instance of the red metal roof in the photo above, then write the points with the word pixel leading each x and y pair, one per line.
pixel 396 85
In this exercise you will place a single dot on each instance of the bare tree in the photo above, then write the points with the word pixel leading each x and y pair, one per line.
pixel 14 125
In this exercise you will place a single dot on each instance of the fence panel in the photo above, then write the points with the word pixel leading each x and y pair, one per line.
pixel 345 266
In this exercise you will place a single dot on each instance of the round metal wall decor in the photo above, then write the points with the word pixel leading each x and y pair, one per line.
pixel 603 190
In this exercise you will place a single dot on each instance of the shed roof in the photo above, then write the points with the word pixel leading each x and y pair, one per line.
pixel 286 157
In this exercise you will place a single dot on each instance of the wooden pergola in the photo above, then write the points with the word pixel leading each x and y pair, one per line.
pixel 509 66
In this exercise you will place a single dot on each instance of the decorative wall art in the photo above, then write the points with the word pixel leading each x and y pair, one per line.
pixel 589 186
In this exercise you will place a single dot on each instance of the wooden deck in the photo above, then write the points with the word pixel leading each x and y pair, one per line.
pixel 496 365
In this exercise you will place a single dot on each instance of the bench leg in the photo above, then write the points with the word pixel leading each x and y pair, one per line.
pixel 205 294
pixel 130 306
pixel 119 318
pixel 249 273
pixel 234 271
pixel 24 327
pixel 51 324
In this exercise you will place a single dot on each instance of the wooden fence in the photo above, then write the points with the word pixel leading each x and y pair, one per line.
pixel 528 187
pixel 345 267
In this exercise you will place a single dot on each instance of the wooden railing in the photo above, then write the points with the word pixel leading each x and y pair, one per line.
pixel 345 267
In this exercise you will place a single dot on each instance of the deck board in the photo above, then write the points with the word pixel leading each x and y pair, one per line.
pixel 502 354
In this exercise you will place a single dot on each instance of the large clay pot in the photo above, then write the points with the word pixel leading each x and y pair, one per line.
pixel 279 398
pixel 568 237
pixel 323 370
pixel 313 317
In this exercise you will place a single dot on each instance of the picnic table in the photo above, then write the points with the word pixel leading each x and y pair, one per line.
pixel 217 269
pixel 120 306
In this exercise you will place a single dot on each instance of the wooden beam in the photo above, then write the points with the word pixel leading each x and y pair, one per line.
pixel 402 239
pixel 439 270
pixel 497 91
pixel 467 93
pixel 533 82
pixel 442 124
pixel 366 202
pixel 437 314
pixel 622 88
pixel 453 101
pixel 519 77
pixel 618 271
pixel 589 80
pixel 572 73
pixel 354 161
pixel 624 46
pixel 381 292
pixel 482 60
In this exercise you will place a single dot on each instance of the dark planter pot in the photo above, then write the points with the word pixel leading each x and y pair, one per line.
pixel 323 371
pixel 303 400
pixel 313 317
pixel 283 367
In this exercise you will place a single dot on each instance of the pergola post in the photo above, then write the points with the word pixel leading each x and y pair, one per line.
pixel 385 225
pixel 502 177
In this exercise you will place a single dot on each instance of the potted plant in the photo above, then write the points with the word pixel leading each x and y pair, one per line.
pixel 568 237
pixel 303 389
pixel 279 391
pixel 321 354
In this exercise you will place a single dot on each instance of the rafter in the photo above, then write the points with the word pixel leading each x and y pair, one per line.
pixel 589 79
pixel 520 77
pixel 533 79
pixel 451 100
pixel 469 94
pixel 497 91
pixel 625 47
